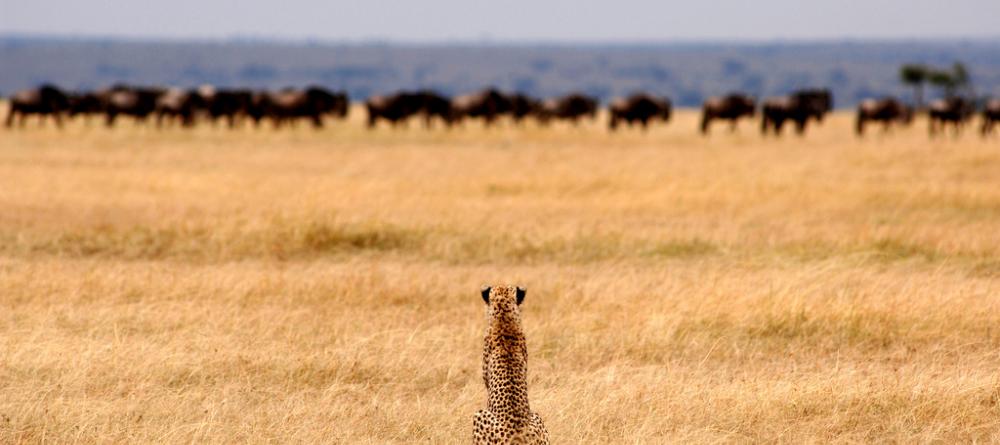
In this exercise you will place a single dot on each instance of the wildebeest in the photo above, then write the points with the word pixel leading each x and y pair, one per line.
pixel 731 107
pixel 488 104
pixel 570 107
pixel 85 104
pixel 397 108
pixel 335 103
pixel 46 100
pixel 394 108
pixel 231 104
pixel 522 106
pixel 183 105
pixel 799 107
pixel 822 97
pixel 138 102
pixel 432 104
pixel 991 115
pixel 887 110
pixel 289 104
pixel 641 108
pixel 953 110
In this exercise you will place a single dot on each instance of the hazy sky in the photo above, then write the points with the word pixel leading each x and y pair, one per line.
pixel 509 20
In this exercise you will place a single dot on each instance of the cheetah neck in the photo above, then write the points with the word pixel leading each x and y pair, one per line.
pixel 505 369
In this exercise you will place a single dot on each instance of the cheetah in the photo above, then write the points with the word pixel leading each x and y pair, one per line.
pixel 507 418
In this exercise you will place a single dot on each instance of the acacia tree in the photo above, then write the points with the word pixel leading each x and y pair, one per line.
pixel 944 80
pixel 915 76
pixel 951 81
pixel 962 80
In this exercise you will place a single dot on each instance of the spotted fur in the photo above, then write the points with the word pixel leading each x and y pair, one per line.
pixel 507 418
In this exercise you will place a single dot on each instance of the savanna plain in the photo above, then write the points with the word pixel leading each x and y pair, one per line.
pixel 301 286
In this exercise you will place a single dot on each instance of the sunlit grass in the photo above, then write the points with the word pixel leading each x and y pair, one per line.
pixel 300 286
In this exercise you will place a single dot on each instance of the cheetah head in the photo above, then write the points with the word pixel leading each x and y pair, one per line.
pixel 498 293
pixel 503 299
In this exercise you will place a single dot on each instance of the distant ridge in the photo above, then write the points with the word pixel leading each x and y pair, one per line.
pixel 687 71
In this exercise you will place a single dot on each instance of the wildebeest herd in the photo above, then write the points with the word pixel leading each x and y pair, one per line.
pixel 487 105
pixel 186 107
pixel 173 106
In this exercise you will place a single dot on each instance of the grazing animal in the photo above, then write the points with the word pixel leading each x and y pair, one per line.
pixel 731 107
pixel 399 107
pixel 821 97
pixel 46 100
pixel 431 105
pixel 641 108
pixel 571 107
pixel 85 104
pixel 138 102
pixel 991 115
pixel 488 104
pixel 799 107
pixel 954 110
pixel 312 103
pixel 180 105
pixel 394 108
pixel 508 418
pixel 887 110
pixel 522 106
pixel 230 104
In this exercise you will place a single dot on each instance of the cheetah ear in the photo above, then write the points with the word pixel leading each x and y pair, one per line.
pixel 520 294
pixel 486 294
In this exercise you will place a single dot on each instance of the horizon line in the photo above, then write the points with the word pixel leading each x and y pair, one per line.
pixel 494 42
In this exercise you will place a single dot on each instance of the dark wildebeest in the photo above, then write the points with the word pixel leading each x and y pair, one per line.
pixel 822 97
pixel 85 104
pixel 954 110
pixel 182 105
pixel 138 102
pixel 488 104
pixel 640 108
pixel 799 108
pixel 255 107
pixel 46 100
pixel 730 107
pixel 570 107
pixel 887 110
pixel 394 108
pixel 231 104
pixel 431 105
pixel 991 115
pixel 334 103
pixel 312 103
pixel 522 106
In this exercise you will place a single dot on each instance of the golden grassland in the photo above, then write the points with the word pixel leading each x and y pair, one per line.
pixel 301 286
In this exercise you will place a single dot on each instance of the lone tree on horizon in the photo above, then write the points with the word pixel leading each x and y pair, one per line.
pixel 915 76
pixel 962 79
pixel 952 80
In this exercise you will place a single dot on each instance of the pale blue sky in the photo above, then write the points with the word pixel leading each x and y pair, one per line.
pixel 510 20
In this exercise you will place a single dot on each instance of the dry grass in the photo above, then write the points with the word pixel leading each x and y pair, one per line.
pixel 321 287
